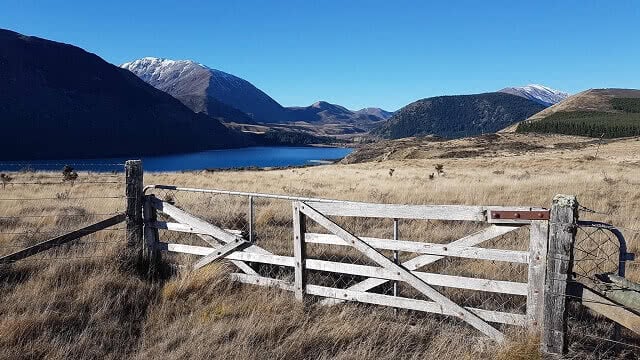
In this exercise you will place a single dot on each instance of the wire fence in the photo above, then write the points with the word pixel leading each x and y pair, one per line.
pixel 600 250
pixel 42 201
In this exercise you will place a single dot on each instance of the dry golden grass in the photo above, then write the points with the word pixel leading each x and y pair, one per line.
pixel 102 307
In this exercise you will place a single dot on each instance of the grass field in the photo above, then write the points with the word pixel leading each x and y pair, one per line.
pixel 100 306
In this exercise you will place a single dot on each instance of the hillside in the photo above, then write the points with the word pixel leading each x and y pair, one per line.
pixel 326 113
pixel 377 112
pixel 458 116
pixel 57 100
pixel 208 90
pixel 595 112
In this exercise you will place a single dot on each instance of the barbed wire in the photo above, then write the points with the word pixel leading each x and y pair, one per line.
pixel 47 232
pixel 64 198
pixel 586 209
pixel 612 341
pixel 64 183
pixel 60 215
pixel 62 164
pixel 57 258
pixel 80 243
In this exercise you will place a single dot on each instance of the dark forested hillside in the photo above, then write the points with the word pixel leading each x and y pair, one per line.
pixel 608 113
pixel 458 116
pixel 57 100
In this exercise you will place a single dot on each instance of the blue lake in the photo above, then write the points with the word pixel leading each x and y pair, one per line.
pixel 213 159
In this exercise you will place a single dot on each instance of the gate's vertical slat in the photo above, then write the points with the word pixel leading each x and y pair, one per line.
pixel 396 254
pixel 299 229
pixel 538 240
pixel 562 232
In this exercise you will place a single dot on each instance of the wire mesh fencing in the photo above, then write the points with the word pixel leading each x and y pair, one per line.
pixel 600 250
pixel 38 205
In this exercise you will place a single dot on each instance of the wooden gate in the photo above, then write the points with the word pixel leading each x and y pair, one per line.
pixel 428 288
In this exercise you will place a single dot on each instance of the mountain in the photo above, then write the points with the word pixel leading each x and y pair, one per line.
pixel 326 113
pixel 538 93
pixel 458 115
pixel 57 100
pixel 377 112
pixel 320 111
pixel 594 112
pixel 208 90
pixel 218 94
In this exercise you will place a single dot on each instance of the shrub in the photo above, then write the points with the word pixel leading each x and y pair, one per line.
pixel 68 174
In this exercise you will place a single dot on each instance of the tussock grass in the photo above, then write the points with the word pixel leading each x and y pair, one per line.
pixel 104 307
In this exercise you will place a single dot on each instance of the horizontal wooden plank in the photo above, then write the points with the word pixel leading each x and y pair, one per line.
pixel 394 211
pixel 261 280
pixel 379 299
pixel 59 240
pixel 468 252
pixel 411 304
pixel 238 255
pixel 180 227
pixel 492 219
pixel 460 282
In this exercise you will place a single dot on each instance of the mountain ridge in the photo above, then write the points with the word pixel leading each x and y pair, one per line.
pixel 199 86
pixel 59 100
pixel 539 93
pixel 207 87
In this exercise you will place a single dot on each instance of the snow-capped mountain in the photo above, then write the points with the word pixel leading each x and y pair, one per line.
pixel 538 93
pixel 206 90
pixel 226 96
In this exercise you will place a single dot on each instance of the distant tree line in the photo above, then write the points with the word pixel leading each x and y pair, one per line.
pixel 592 124
pixel 282 137
pixel 631 105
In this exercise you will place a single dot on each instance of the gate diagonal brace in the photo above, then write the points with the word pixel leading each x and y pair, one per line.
pixel 405 274
pixel 221 252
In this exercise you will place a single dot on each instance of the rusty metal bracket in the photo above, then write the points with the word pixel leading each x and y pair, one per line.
pixel 520 215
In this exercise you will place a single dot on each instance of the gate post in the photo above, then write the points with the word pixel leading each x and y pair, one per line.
pixel 562 232
pixel 299 229
pixel 133 194
pixel 151 238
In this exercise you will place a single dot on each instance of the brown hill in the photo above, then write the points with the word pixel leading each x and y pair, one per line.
pixel 592 100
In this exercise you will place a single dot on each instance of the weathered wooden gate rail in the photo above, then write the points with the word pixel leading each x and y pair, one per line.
pixel 229 244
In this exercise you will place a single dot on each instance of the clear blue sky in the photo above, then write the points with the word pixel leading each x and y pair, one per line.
pixel 359 53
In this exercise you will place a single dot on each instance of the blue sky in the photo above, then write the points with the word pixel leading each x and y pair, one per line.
pixel 359 53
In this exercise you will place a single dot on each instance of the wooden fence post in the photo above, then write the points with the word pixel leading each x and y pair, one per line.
pixel 562 232
pixel 134 196
pixel 538 242
pixel 299 229
pixel 151 252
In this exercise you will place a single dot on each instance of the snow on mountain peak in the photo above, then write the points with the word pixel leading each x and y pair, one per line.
pixel 538 93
